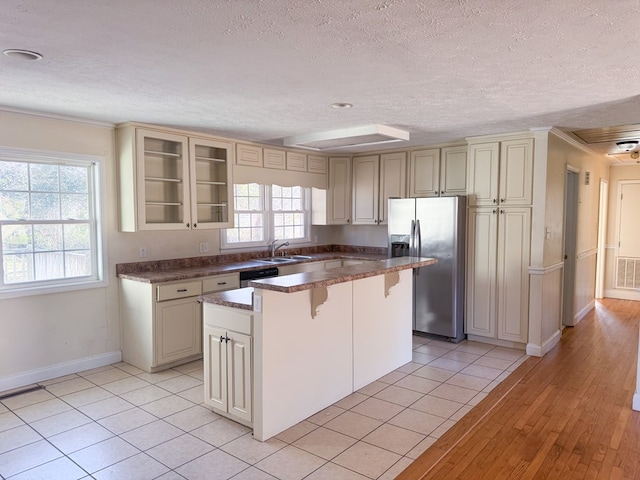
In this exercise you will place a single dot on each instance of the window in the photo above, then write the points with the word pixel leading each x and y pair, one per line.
pixel 264 213
pixel 50 235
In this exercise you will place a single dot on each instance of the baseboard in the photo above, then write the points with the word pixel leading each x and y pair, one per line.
pixel 582 313
pixel 622 294
pixel 541 350
pixel 636 401
pixel 59 370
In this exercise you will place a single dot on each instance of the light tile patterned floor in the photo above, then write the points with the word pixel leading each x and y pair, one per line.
pixel 118 422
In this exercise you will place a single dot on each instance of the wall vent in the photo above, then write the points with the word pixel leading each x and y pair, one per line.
pixel 628 274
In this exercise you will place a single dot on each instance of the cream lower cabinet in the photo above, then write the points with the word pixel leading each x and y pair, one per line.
pixel 178 331
pixel 162 322
pixel 497 289
pixel 228 363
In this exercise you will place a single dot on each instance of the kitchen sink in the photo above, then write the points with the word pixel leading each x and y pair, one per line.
pixel 275 260
pixel 299 257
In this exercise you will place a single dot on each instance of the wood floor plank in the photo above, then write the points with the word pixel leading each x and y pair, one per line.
pixel 566 415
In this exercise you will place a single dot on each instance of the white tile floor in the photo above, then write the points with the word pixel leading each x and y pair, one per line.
pixel 118 422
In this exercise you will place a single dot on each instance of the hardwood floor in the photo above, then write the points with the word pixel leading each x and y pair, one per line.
pixel 567 415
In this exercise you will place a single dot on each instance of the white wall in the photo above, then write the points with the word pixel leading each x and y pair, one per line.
pixel 47 335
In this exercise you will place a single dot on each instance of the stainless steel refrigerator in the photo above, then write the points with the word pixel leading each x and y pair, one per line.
pixel 433 227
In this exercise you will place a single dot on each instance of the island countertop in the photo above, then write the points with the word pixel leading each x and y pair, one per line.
pixel 243 297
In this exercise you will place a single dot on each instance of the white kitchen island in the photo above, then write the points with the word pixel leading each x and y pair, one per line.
pixel 291 346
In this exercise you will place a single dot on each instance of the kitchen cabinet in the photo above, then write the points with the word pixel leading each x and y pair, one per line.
pixel 501 173
pixel 376 178
pixel 249 155
pixel 497 289
pixel 162 323
pixel 228 362
pixel 317 164
pixel 274 158
pixel 297 161
pixel 438 172
pixel 332 206
pixel 170 180
pixel 366 179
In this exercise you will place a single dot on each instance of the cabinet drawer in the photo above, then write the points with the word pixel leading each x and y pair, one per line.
pixel 179 290
pixel 228 318
pixel 220 283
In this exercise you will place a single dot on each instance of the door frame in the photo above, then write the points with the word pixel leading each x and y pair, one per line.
pixel 569 244
pixel 603 206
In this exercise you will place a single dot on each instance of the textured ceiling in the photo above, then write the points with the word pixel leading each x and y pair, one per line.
pixel 262 70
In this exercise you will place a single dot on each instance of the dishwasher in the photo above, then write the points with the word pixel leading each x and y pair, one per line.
pixel 249 275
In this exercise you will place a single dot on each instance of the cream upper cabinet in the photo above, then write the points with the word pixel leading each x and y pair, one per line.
pixel 211 184
pixel 376 178
pixel 500 173
pixel 274 158
pixel 424 173
pixel 297 161
pixel 393 181
pixel 453 171
pixel 438 172
pixel 332 206
pixel 497 290
pixel 366 177
pixel 250 155
pixel 170 181
pixel 317 164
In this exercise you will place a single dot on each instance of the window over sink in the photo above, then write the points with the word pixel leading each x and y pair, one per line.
pixel 267 212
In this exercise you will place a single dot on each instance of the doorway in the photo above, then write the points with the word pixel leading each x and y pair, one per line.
pixel 572 183
pixel 602 233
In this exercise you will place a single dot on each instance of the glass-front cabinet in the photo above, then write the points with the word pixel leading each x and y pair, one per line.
pixel 173 181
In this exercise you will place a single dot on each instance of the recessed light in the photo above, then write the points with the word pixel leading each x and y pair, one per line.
pixel 341 105
pixel 22 54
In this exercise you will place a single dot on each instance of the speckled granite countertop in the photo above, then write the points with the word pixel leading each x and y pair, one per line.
pixel 243 297
pixel 186 269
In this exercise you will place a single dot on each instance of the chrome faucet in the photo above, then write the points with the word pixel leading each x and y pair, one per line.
pixel 274 249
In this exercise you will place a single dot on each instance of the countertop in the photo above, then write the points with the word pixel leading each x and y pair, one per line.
pixel 191 272
pixel 243 297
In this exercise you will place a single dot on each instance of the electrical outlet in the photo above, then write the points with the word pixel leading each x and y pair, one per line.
pixel 143 252
pixel 204 247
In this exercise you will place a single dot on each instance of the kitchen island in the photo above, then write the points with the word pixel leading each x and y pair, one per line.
pixel 287 347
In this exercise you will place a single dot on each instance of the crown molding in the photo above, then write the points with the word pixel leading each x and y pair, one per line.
pixel 55 116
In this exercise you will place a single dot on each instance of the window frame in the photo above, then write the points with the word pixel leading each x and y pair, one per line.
pixel 266 192
pixel 97 221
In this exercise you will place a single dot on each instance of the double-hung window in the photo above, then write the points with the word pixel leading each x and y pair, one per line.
pixel 268 212
pixel 50 232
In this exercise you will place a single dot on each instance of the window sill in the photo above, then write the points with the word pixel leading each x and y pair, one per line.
pixel 28 291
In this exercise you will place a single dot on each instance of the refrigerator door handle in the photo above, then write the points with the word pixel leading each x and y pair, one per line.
pixel 419 242
pixel 412 242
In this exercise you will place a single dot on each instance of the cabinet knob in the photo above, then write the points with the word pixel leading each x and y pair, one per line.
pixel 442 192
pixel 347 220
pixel 502 212
pixel 494 210
pixel 502 200
pixel 187 225
pixel 195 225
pixel 494 201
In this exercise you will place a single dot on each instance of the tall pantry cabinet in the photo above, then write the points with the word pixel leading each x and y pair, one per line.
pixel 500 182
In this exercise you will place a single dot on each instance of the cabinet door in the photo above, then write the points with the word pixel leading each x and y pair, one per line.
pixel 178 330
pixel 393 180
pixel 297 161
pixel 424 173
pixel 211 183
pixel 366 171
pixel 339 198
pixel 481 271
pixel 516 172
pixel 317 164
pixel 514 227
pixel 239 390
pixel 274 158
pixel 215 367
pixel 453 171
pixel 249 155
pixel 482 181
pixel 163 180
